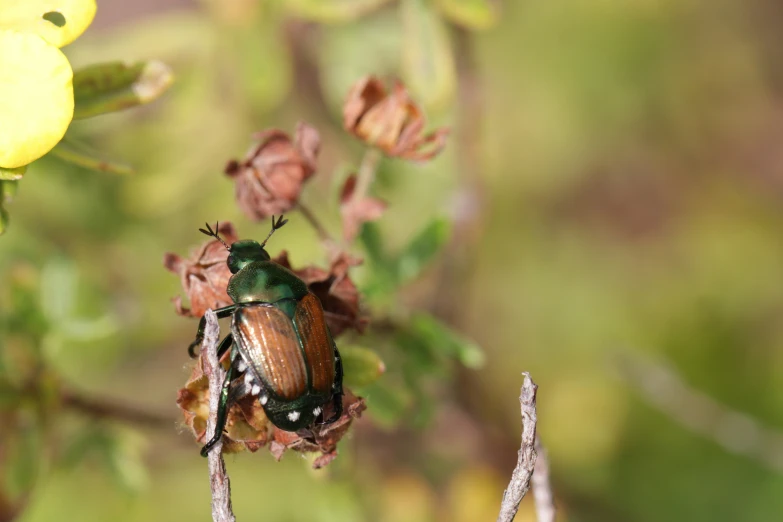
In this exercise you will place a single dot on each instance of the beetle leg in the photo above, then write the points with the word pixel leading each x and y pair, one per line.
pixel 337 389
pixel 222 412
pixel 221 313
pixel 224 345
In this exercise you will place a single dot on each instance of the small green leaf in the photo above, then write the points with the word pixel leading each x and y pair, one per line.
pixel 333 11
pixel 422 249
pixel 428 66
pixel 79 154
pixel 445 340
pixel 114 86
pixel 472 14
pixel 387 404
pixel 370 236
pixel 12 174
pixel 361 366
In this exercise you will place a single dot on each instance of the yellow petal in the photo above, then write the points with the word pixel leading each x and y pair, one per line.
pixel 36 97
pixel 45 18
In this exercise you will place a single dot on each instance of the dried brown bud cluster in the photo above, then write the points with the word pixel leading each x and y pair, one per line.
pixel 337 293
pixel 248 428
pixel 390 121
pixel 204 275
pixel 269 180
pixel 357 209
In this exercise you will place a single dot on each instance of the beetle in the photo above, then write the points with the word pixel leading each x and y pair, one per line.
pixel 282 351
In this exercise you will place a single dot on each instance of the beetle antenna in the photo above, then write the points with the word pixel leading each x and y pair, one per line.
pixel 275 226
pixel 214 233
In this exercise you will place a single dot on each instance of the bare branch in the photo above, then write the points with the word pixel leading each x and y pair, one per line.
pixel 218 478
pixel 100 408
pixel 735 431
pixel 542 488
pixel 526 460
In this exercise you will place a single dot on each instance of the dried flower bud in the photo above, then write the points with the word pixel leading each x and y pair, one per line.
pixel 270 178
pixel 321 439
pixel 390 121
pixel 248 428
pixel 337 293
pixel 357 210
pixel 204 275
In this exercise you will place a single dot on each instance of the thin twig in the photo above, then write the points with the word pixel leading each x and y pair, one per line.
pixel 109 410
pixel 218 478
pixel 526 459
pixel 319 228
pixel 542 488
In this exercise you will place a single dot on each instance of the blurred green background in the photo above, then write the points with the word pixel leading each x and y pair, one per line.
pixel 615 182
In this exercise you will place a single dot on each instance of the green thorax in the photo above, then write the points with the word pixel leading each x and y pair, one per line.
pixel 265 281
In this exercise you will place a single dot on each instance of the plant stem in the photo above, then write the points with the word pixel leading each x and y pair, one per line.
pixel 319 228
pixel 218 478
pixel 526 458
pixel 104 409
pixel 366 174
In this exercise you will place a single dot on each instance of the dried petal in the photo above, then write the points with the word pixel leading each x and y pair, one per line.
pixel 390 121
pixel 205 275
pixel 337 293
pixel 270 178
pixel 357 210
pixel 247 426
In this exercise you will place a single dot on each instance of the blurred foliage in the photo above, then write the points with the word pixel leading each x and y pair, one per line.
pixel 624 174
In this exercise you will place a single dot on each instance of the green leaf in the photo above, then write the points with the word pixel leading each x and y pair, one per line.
pixel 443 339
pixel 361 366
pixel 370 237
pixel 114 86
pixel 428 66
pixel 79 154
pixel 422 249
pixel 472 14
pixel 387 404
pixel 12 174
pixel 333 11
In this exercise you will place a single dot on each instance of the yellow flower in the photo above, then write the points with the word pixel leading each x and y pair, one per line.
pixel 36 89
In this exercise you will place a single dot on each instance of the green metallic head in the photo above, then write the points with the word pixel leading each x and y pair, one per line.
pixel 246 251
